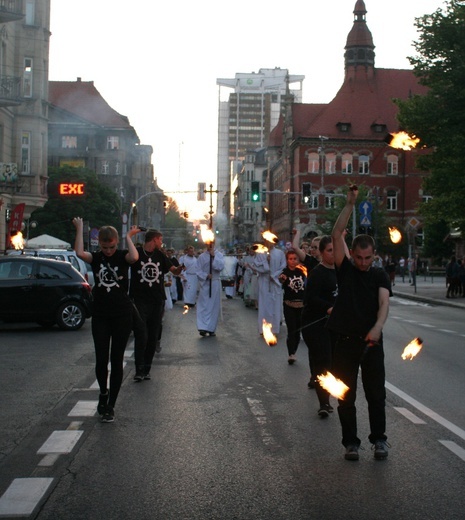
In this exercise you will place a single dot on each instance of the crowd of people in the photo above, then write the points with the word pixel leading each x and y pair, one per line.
pixel 334 298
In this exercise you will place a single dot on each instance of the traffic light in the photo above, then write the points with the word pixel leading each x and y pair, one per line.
pixel 255 191
pixel 306 192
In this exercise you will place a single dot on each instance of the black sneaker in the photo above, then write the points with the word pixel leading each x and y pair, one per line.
pixel 323 412
pixel 381 450
pixel 203 332
pixel 138 377
pixel 109 415
pixel 351 452
pixel 102 403
pixel 147 376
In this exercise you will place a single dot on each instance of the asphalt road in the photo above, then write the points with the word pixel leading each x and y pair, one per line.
pixel 227 429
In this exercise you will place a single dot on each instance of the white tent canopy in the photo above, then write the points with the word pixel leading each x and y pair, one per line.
pixel 47 242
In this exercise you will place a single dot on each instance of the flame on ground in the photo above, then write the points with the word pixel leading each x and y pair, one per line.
pixel 332 385
pixel 412 349
pixel 17 240
pixel 395 235
pixel 186 309
pixel 207 234
pixel 268 336
pixel 270 237
pixel 403 141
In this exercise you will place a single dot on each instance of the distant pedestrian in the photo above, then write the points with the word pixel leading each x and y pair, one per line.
pixel 452 277
pixel 210 264
pixel 402 268
pixel 390 267
pixel 112 312
pixel 189 276
pixel 293 279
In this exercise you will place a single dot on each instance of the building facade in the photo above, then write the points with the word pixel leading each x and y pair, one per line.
pixel 246 117
pixel 24 51
pixel 84 131
pixel 325 147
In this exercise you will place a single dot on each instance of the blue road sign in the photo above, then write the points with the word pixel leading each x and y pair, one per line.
pixel 365 220
pixel 365 207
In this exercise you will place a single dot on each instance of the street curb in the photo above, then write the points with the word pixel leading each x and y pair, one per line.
pixel 433 301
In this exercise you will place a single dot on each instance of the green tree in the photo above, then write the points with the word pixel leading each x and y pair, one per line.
pixel 99 205
pixel 437 118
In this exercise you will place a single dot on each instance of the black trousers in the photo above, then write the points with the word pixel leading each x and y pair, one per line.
pixel 147 332
pixel 111 336
pixel 350 354
pixel 292 317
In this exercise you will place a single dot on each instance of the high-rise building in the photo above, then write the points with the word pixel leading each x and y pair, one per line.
pixel 246 117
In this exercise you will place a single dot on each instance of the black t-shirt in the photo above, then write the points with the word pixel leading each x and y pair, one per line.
pixel 310 262
pixel 320 292
pixel 111 284
pixel 356 308
pixel 294 285
pixel 147 276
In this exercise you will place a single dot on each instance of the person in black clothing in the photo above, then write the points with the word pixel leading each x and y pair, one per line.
pixel 320 295
pixel 148 292
pixel 293 279
pixel 358 317
pixel 112 308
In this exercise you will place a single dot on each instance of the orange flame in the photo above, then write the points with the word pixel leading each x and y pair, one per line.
pixel 333 385
pixel 412 349
pixel 403 141
pixel 18 241
pixel 270 237
pixel 268 336
pixel 303 269
pixel 207 234
pixel 259 248
pixel 395 234
pixel 186 309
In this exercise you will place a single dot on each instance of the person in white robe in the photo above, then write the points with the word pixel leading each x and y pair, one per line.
pixel 229 274
pixel 250 278
pixel 270 293
pixel 189 277
pixel 210 264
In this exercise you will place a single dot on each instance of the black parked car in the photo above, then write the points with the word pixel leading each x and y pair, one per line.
pixel 45 291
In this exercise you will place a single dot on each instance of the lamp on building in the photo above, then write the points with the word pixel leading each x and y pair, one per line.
pixel 27 225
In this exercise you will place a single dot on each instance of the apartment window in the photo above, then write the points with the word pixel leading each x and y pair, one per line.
pixel 105 168
pixel 330 163
pixel 27 78
pixel 392 164
pixel 30 17
pixel 329 199
pixel 113 142
pixel 347 163
pixel 118 168
pixel 313 163
pixel 363 165
pixel 391 200
pixel 426 198
pixel 26 152
pixel 69 141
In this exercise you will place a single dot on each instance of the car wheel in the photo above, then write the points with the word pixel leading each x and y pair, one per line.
pixel 71 316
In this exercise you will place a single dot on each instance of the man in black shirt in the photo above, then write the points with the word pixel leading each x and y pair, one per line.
pixel 358 317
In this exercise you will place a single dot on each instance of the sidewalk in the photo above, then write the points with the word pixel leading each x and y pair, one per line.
pixel 428 289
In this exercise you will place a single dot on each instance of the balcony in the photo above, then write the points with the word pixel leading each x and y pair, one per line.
pixel 11 10
pixel 10 90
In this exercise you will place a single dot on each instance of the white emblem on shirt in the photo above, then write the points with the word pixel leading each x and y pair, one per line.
pixel 150 272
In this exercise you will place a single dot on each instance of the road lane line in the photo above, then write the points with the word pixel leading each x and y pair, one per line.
pixel 454 448
pixel 84 409
pixel 427 411
pixel 60 441
pixel 409 415
pixel 23 496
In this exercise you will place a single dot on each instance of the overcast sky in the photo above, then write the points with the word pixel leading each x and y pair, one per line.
pixel 157 62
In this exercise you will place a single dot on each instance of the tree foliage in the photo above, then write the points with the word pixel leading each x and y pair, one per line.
pixel 99 206
pixel 437 118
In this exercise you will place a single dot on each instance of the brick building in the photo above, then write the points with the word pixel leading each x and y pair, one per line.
pixel 331 145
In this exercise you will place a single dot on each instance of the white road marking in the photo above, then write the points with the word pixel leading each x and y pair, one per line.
pixel 60 441
pixel 447 330
pixel 427 411
pixel 256 407
pixel 84 409
pixel 409 415
pixel 49 460
pixel 454 448
pixel 22 496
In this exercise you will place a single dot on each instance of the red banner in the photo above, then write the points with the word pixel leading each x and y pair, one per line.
pixel 16 217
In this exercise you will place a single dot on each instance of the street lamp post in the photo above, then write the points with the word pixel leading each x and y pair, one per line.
pixel 27 225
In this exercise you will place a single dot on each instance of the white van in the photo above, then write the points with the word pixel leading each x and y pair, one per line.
pixel 66 255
